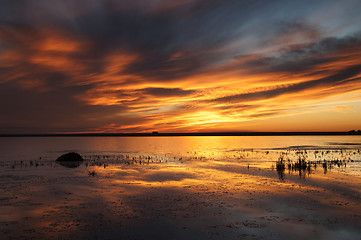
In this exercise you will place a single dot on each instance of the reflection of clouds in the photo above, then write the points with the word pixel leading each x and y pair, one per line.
pixel 163 176
pixel 140 200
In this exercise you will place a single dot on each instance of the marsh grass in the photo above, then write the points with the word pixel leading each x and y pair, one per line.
pixel 92 173
pixel 304 167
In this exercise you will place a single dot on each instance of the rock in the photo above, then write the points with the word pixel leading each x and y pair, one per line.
pixel 70 157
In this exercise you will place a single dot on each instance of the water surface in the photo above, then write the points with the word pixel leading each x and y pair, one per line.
pixel 181 188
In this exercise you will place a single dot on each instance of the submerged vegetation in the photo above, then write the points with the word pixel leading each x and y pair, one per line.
pixel 306 162
pixel 92 173
pixel 302 161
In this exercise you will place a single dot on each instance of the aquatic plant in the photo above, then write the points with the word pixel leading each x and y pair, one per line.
pixel 304 166
pixel 92 173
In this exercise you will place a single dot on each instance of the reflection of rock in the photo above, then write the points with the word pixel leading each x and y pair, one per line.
pixel 70 160
pixel 71 164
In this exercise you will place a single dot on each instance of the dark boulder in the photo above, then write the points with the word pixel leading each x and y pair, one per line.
pixel 70 160
pixel 70 157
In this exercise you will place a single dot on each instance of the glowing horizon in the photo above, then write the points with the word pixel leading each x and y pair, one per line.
pixel 179 66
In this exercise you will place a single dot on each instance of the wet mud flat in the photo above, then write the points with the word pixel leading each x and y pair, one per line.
pixel 133 198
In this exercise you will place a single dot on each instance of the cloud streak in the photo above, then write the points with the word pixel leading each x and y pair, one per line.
pixel 190 65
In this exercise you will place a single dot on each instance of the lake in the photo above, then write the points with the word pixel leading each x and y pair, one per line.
pixel 223 187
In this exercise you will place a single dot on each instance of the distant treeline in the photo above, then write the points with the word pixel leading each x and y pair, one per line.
pixel 355 132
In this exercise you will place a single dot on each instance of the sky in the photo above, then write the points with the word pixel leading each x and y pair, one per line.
pixel 73 66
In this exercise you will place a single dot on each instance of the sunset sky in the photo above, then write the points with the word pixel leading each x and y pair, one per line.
pixel 69 66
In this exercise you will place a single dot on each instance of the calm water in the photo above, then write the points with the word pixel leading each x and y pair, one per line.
pixel 51 147
pixel 296 187
pixel 247 149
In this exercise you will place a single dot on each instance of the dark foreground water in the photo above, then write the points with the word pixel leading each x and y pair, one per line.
pixel 237 187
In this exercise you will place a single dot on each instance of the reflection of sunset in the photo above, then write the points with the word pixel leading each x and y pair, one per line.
pixel 180 119
pixel 190 192
pixel 205 186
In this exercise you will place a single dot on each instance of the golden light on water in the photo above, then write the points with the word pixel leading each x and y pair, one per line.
pixel 137 88
pixel 204 186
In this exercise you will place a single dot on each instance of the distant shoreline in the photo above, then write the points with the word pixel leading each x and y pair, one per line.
pixel 185 134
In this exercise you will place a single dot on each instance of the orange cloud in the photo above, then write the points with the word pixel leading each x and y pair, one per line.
pixel 152 70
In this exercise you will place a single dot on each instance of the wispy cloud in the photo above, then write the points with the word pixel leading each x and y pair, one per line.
pixel 191 65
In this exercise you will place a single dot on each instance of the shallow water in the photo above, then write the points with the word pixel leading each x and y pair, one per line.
pixel 181 188
pixel 25 148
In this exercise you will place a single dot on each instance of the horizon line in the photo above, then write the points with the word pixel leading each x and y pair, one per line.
pixel 155 134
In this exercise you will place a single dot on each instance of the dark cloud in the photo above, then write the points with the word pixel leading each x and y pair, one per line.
pixel 266 114
pixel 55 111
pixel 167 92
pixel 159 43
pixel 308 57
pixel 156 39
pixel 196 38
